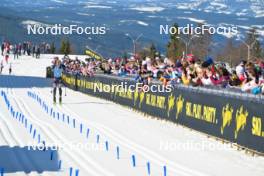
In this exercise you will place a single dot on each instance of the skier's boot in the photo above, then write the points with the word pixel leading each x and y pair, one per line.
pixel 54 100
pixel 60 92
pixel 54 96
pixel 60 100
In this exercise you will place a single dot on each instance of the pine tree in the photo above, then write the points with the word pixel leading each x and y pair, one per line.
pixel 253 41
pixel 149 51
pixel 125 55
pixel 174 47
pixel 152 51
pixel 124 58
pixel 65 47
pixel 143 53
pixel 257 50
pixel 52 48
pixel 68 47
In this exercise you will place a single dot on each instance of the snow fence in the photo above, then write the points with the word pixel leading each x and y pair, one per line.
pixel 237 119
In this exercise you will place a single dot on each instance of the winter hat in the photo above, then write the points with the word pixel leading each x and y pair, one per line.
pixel 256 90
pixel 207 62
pixel 190 58
pixel 178 64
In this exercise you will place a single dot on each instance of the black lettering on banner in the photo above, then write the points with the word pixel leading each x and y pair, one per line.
pixel 233 119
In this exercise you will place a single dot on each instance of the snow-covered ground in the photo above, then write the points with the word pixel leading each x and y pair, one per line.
pixel 184 152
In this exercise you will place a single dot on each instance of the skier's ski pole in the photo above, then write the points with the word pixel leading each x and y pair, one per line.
pixel 65 89
pixel 52 87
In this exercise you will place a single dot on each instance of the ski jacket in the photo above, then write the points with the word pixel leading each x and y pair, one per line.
pixel 57 71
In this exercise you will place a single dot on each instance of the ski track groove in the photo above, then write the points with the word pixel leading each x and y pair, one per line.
pixel 159 160
pixel 21 158
pixel 32 163
pixel 47 133
pixel 96 172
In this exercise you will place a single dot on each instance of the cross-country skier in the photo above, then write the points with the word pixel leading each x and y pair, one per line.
pixel 10 69
pixel 6 58
pixel 57 72
pixel 37 52
pixel 2 48
pixel 1 67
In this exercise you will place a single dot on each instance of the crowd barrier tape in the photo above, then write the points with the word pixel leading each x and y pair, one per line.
pixel 232 119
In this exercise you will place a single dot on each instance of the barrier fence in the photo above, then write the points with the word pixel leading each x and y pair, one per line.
pixel 237 120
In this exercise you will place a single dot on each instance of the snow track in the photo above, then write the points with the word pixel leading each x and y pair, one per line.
pixel 53 136
pixel 129 145
pixel 85 162
pixel 19 159
pixel 116 125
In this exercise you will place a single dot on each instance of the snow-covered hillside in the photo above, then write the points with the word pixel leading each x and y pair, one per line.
pixel 90 131
pixel 128 16
pixel 253 8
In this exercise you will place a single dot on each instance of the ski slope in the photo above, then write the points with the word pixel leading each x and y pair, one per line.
pixel 99 127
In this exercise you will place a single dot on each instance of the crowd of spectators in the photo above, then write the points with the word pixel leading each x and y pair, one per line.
pixel 19 49
pixel 248 76
pixel 79 67
pixel 25 48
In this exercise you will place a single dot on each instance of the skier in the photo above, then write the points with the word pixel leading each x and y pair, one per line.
pixel 6 58
pixel 34 51
pixel 19 49
pixel 37 52
pixel 24 48
pixel 29 49
pixel 10 69
pixel 2 48
pixel 1 67
pixel 57 72
pixel 16 52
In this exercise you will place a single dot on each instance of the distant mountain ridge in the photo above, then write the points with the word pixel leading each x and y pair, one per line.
pixel 122 17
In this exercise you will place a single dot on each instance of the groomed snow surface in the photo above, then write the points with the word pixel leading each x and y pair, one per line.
pixel 184 152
